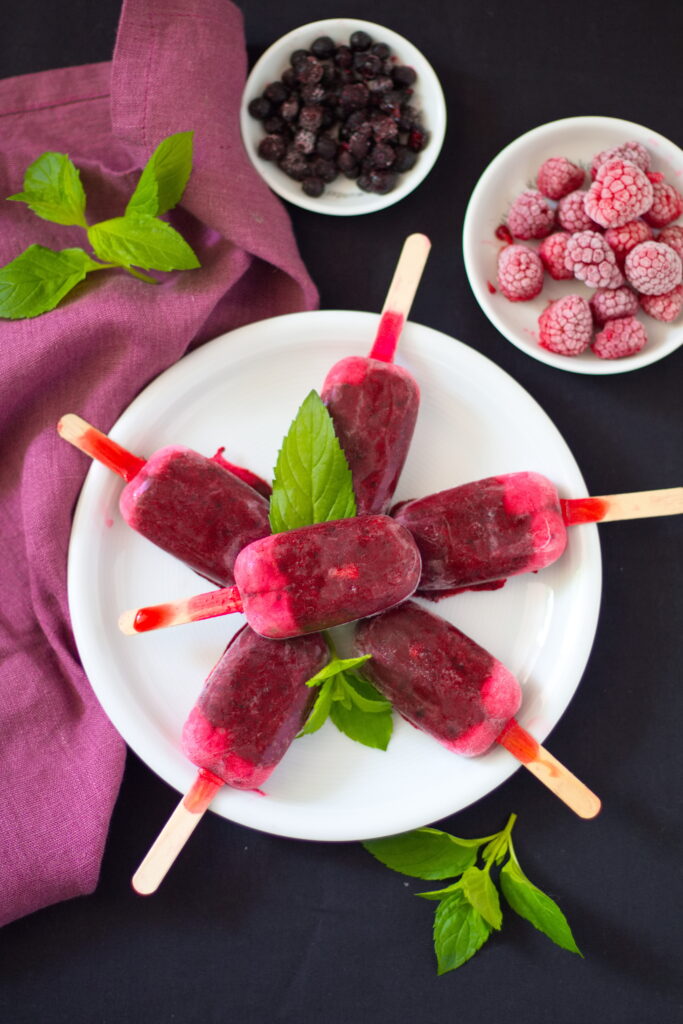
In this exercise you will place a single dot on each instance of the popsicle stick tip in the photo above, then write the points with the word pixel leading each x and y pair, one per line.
pixel 71 427
pixel 141 884
pixel 127 621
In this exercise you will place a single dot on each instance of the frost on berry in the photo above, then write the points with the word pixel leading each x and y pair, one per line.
pixel 520 273
pixel 621 192
pixel 610 303
pixel 635 152
pixel 653 268
pixel 566 326
pixel 619 338
pixel 673 237
pixel 572 216
pixel 557 177
pixel 552 251
pixel 530 215
pixel 624 238
pixel 665 307
pixel 591 260
pixel 667 205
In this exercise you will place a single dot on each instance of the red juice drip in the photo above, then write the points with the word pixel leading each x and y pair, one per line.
pixel 111 454
pixel 491 288
pixel 255 481
pixel 202 791
pixel 154 618
pixel 583 510
pixel 503 234
pixel 386 339
pixel 518 741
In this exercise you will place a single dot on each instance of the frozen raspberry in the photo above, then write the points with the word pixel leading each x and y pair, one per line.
pixel 665 307
pixel 620 192
pixel 618 338
pixel 653 268
pixel 610 303
pixel 667 205
pixel 673 237
pixel 633 151
pixel 566 326
pixel 552 251
pixel 520 273
pixel 571 214
pixel 530 215
pixel 626 237
pixel 558 177
pixel 590 259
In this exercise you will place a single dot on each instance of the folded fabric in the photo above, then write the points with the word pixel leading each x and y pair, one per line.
pixel 173 70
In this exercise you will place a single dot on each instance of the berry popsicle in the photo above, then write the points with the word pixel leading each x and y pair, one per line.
pixel 191 506
pixel 448 686
pixel 253 704
pixel 505 525
pixel 305 580
pixel 374 403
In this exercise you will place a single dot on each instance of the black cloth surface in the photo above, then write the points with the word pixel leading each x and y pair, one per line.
pixel 253 928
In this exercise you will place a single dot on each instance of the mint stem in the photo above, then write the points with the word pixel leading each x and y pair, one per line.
pixel 139 275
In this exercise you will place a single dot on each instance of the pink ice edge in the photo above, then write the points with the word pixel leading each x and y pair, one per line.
pixel 208 746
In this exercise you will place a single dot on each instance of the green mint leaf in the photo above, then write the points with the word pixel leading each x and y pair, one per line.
pixel 164 177
pixel 312 481
pixel 53 190
pixel 39 278
pixel 139 240
pixel 320 709
pixel 425 853
pixel 373 730
pixel 459 931
pixel 480 891
pixel 535 906
pixel 334 667
pixel 439 894
pixel 363 694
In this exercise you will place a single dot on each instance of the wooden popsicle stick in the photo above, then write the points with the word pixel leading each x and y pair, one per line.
pixel 636 505
pixel 176 832
pixel 174 613
pixel 98 446
pixel 407 274
pixel 549 770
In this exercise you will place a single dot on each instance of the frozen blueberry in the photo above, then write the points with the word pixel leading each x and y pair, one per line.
pixel 259 108
pixel 313 187
pixel 272 147
pixel 322 47
pixel 360 41
pixel 276 92
pixel 404 76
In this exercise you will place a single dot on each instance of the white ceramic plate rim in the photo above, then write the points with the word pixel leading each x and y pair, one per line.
pixel 343 198
pixel 472 231
pixel 92 563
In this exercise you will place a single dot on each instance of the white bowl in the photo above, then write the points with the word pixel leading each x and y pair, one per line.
pixel 513 170
pixel 342 197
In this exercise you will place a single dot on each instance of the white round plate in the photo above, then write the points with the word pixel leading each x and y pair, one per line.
pixel 242 391
pixel 513 170
pixel 343 198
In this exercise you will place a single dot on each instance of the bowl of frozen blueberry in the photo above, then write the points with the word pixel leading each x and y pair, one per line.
pixel 343 117
pixel 573 244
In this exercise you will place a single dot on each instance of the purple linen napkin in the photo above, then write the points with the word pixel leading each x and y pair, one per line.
pixel 173 70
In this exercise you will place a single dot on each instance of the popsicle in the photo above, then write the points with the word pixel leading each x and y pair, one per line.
pixel 253 704
pixel 189 505
pixel 448 686
pixel 373 403
pixel 305 580
pixel 505 525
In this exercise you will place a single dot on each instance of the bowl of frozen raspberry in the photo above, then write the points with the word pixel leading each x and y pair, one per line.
pixel 343 117
pixel 573 244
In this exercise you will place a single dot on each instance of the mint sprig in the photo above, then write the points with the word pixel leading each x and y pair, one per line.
pixel 312 481
pixel 37 280
pixel 353 704
pixel 469 909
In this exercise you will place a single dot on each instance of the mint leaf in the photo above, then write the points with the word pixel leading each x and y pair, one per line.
pixel 164 177
pixel 319 711
pixel 39 278
pixel 459 931
pixel 439 894
pixel 372 728
pixel 312 481
pixel 480 891
pixel 334 667
pixel 53 190
pixel 139 240
pixel 535 906
pixel 425 853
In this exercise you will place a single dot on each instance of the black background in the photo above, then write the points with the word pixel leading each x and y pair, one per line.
pixel 254 928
